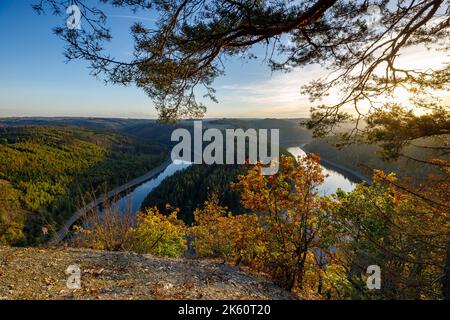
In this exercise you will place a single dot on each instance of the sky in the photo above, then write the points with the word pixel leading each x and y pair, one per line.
pixel 35 79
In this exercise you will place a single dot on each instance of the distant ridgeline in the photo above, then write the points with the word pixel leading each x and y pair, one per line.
pixel 291 133
pixel 47 172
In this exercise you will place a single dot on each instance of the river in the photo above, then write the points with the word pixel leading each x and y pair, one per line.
pixel 333 179
pixel 133 200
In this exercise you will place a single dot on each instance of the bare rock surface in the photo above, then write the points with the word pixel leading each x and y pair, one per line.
pixel 38 273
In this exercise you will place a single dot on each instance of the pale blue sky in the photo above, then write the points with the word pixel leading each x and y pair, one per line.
pixel 36 81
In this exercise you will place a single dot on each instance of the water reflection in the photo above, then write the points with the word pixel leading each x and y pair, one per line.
pixel 333 180
pixel 133 200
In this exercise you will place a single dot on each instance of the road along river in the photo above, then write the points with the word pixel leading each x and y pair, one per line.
pixel 138 189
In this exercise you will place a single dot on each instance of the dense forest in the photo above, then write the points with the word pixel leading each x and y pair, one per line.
pixel 359 157
pixel 291 132
pixel 319 247
pixel 187 190
pixel 46 173
pixel 190 188
pixel 151 130
pixel 316 246
pixel 143 129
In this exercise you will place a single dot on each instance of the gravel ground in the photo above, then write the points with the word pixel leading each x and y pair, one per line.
pixel 35 273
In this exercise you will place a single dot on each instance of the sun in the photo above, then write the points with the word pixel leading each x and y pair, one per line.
pixel 402 97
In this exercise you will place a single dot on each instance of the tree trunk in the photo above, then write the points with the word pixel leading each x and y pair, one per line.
pixel 319 288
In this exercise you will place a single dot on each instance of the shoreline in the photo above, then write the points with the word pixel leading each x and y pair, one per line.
pixel 352 174
pixel 63 231
pixel 344 170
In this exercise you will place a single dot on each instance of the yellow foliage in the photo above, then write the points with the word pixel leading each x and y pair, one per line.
pixel 158 234
pixel 217 233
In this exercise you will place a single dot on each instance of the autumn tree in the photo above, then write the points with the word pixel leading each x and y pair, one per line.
pixel 358 42
pixel 11 215
pixel 218 233
pixel 384 225
pixel 159 234
pixel 292 214
pixel 149 232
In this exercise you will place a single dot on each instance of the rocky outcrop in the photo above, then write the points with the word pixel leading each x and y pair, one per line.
pixel 35 273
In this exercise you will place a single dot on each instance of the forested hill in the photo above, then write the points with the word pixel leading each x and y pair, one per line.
pixel 364 158
pixel 291 133
pixel 46 172
pixel 190 188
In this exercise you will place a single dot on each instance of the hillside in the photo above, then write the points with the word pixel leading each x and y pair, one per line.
pixel 33 273
pixel 190 188
pixel 365 157
pixel 291 133
pixel 47 172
